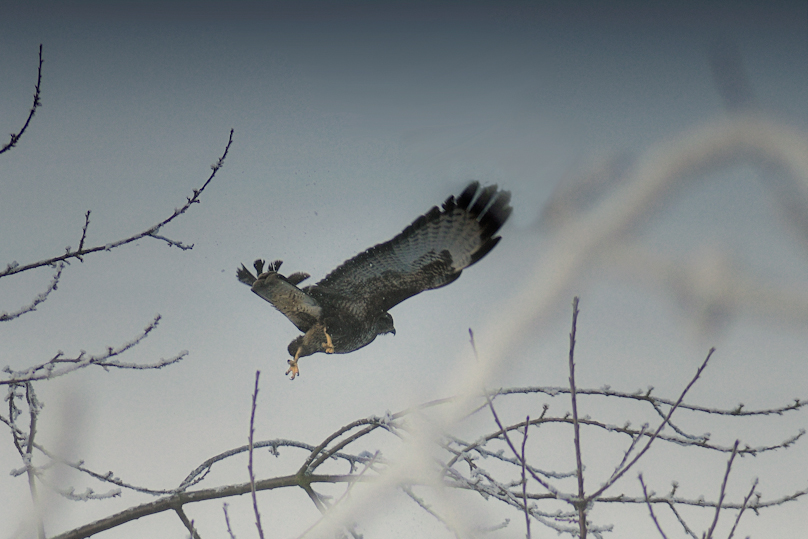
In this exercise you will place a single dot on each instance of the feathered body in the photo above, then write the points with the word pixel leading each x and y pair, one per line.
pixel 349 307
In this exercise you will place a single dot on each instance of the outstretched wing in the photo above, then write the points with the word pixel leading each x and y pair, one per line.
pixel 281 292
pixel 245 276
pixel 428 254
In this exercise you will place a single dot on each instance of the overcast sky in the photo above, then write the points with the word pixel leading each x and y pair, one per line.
pixel 350 120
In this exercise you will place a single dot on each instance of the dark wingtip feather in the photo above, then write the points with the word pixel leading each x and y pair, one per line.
pixel 298 277
pixel 491 208
pixel 484 249
pixel 465 198
pixel 259 266
pixel 244 276
pixel 497 213
pixel 485 198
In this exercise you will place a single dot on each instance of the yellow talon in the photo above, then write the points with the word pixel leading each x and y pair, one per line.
pixel 328 345
pixel 293 368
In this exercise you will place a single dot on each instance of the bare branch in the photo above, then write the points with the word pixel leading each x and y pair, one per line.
pixel 227 521
pixel 635 439
pixel 15 137
pixel 189 524
pixel 700 502
pixel 321 506
pixel 108 477
pixel 313 461
pixel 199 473
pixel 250 461
pixel 183 498
pixel 172 243
pixel 681 520
pixel 152 231
pixel 514 494
pixel 743 508
pixel 580 504
pixel 60 365
pixel 84 232
pixel 639 455
pixel 5 317
pixel 646 396
pixel 524 479
pixel 723 491
pixel 34 408
pixel 651 509
pixel 504 433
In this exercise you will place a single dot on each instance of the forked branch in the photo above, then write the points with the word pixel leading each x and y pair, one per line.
pixel 152 231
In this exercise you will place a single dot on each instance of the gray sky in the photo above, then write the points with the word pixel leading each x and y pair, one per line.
pixel 350 121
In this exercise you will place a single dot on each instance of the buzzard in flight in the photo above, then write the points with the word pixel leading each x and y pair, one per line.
pixel 348 309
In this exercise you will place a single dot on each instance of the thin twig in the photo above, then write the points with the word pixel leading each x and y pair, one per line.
pixel 250 463
pixel 107 477
pixel 651 508
pixel 322 508
pixel 199 473
pixel 580 504
pixel 5 317
pixel 743 508
pixel 189 524
pixel 84 232
pixel 644 396
pixel 654 436
pixel 227 521
pixel 152 231
pixel 15 137
pixel 315 498
pixel 60 365
pixel 635 439
pixel 313 461
pixel 504 433
pixel 524 479
pixel 722 491
pixel 681 520
pixel 33 414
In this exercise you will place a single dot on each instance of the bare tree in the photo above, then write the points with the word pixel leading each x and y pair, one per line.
pixel 511 476
pixel 21 397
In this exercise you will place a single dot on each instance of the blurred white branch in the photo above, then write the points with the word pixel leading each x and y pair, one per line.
pixel 600 235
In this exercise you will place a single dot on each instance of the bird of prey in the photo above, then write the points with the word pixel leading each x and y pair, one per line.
pixel 349 307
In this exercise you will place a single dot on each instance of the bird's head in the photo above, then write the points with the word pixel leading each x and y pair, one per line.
pixel 384 324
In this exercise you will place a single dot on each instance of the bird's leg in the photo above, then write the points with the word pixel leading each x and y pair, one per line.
pixel 328 345
pixel 293 368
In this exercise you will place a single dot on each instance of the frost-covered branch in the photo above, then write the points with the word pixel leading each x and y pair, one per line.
pixel 5 317
pixel 60 365
pixel 169 503
pixel 511 491
pixel 645 396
